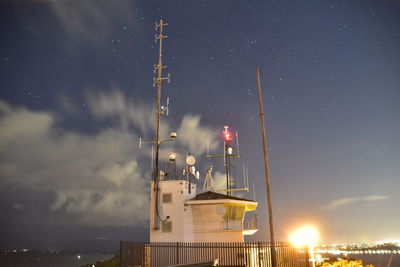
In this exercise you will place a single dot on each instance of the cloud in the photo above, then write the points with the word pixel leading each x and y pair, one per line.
pixel 90 20
pixel 94 179
pixel 129 113
pixel 346 201
pixel 17 206
pixel 91 179
pixel 67 105
pixel 195 137
pixel 192 136
pixel 15 124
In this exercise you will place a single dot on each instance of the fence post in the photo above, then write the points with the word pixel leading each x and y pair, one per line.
pixel 144 255
pixel 307 257
pixel 120 253
pixel 177 252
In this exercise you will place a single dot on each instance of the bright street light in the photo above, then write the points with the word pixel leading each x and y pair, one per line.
pixel 305 236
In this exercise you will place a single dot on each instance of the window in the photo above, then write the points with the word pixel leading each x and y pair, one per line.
pixel 166 227
pixel 167 198
pixel 234 212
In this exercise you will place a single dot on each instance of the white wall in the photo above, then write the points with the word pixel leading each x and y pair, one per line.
pixel 191 222
pixel 180 215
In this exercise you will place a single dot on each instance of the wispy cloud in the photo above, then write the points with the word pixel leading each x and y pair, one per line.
pixel 192 135
pixel 93 179
pixel 129 113
pixel 90 20
pixel 351 200
pixel 87 20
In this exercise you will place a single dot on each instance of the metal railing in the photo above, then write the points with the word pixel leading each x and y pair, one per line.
pixel 252 254
pixel 251 223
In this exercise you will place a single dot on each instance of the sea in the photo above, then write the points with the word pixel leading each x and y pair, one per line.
pixel 63 259
pixel 77 259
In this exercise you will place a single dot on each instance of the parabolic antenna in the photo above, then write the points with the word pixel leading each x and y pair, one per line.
pixel 221 210
pixel 190 160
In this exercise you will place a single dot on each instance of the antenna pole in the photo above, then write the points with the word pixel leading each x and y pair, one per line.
pixel 244 176
pixel 247 177
pixel 158 82
pixel 237 143
pixel 157 142
pixel 267 174
pixel 254 193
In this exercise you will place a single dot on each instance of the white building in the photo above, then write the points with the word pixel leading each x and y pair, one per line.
pixel 184 216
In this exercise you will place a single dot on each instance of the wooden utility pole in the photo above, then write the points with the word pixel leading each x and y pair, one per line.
pixel 267 174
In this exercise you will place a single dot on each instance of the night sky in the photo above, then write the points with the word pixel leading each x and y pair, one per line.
pixel 76 95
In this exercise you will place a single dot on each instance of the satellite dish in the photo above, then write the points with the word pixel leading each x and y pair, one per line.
pixel 190 160
pixel 221 210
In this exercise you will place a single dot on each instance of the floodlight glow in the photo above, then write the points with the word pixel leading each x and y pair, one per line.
pixel 304 236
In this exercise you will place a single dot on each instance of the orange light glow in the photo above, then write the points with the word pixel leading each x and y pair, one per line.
pixel 304 236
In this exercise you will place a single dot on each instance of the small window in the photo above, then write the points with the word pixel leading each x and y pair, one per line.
pixel 234 213
pixel 166 227
pixel 167 198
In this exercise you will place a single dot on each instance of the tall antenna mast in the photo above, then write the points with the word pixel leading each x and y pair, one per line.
pixel 157 82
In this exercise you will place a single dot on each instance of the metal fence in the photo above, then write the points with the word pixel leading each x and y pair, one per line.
pixel 254 254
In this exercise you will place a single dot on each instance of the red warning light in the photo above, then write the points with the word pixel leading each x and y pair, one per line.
pixel 227 134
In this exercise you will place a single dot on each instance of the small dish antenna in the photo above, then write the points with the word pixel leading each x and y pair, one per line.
pixel 172 157
pixel 190 160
